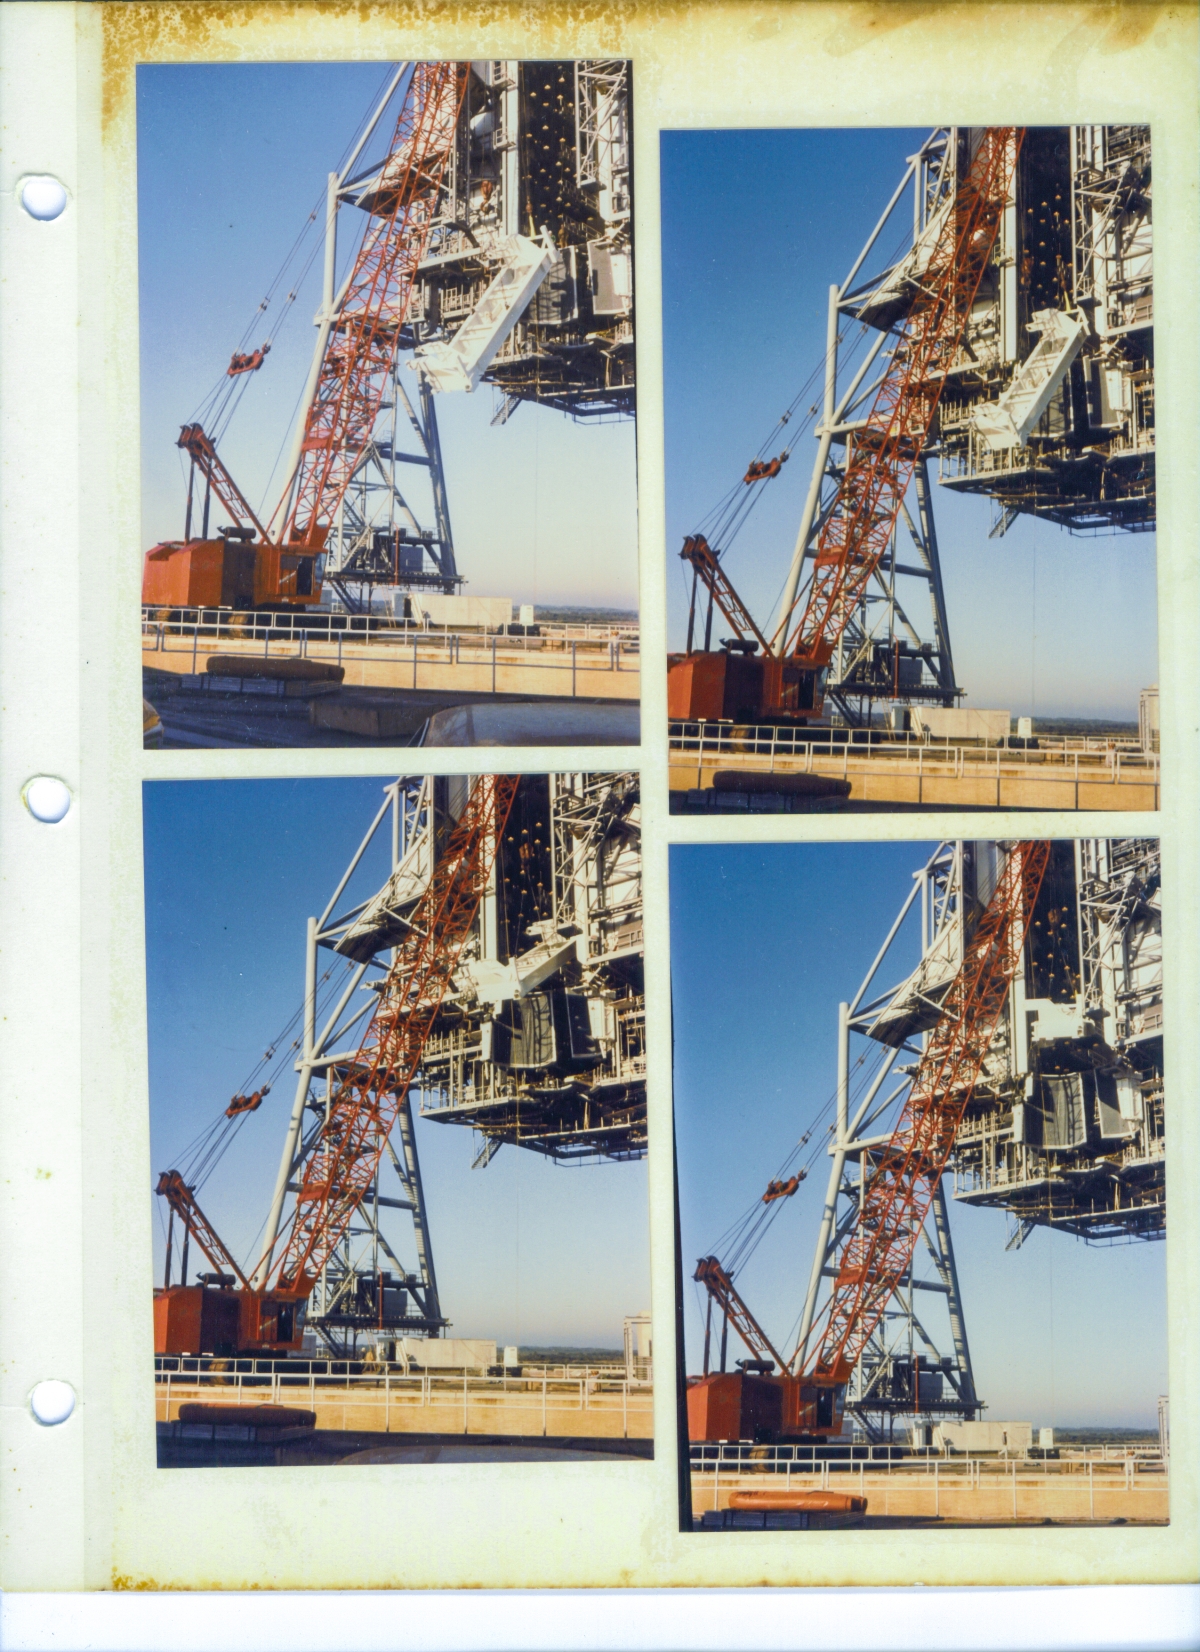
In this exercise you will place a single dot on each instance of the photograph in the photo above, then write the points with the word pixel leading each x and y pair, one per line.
pixel 389 491
pixel 338 969
pixel 910 474
pixel 919 1116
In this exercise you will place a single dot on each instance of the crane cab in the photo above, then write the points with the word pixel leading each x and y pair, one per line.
pixel 748 1405
pixel 217 1318
pixel 727 685
pixel 230 572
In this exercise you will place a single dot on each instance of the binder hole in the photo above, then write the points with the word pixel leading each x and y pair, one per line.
pixel 47 799
pixel 43 198
pixel 52 1402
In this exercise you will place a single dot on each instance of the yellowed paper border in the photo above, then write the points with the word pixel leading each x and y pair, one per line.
pixel 86 1507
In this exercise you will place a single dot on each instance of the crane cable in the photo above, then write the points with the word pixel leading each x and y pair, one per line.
pixel 205 1151
pixel 218 406
pixel 725 520
pixel 743 1236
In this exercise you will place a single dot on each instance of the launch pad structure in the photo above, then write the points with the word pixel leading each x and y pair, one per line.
pixel 1063 1128
pixel 536 1041
pixel 525 283
pixel 1045 408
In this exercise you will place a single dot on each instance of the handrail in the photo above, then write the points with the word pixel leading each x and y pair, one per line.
pixel 255 624
pixel 1117 752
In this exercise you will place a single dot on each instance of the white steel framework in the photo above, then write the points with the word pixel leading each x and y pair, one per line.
pixel 1064 1128
pixel 1049 408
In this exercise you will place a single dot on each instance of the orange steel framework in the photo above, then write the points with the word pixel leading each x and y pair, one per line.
pixel 884 451
pixel 355 371
pixel 372 1088
pixel 878 1252
pixel 879 1249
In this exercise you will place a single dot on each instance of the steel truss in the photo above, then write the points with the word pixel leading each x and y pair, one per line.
pixel 1085 462
pixel 1067 1129
pixel 1077 243
pixel 1062 1127
pixel 584 1097
pixel 880 653
pixel 901 1371
pixel 543 1045
pixel 541 145
pixel 347 443
pixel 360 1283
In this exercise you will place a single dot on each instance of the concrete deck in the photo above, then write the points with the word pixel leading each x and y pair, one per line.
pixel 968 779
pixel 570 1409
pixel 520 666
pixel 999 1493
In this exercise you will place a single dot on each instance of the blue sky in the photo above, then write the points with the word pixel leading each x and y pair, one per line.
pixel 233 871
pixel 232 159
pixel 756 226
pixel 766 940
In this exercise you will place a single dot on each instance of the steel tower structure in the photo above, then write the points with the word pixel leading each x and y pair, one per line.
pixel 521 279
pixel 1062 1128
pixel 538 1039
pixel 1047 407
pixel 542 1045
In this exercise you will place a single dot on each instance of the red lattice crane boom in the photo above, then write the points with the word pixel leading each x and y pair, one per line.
pixel 885 451
pixel 361 352
pixel 282 567
pixel 878 1252
pixel 883 454
pixel 372 1088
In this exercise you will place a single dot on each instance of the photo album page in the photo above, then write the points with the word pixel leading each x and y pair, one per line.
pixel 599 852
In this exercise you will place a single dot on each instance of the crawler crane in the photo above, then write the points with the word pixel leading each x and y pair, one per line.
pixel 247 566
pixel 781 678
pixel 803 1396
pixel 262 1309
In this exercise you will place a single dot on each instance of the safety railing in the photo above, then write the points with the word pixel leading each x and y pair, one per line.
pixel 1078 1486
pixel 387 1401
pixel 400 651
pixel 326 1369
pixel 1113 760
pixel 766 740
pixel 324 626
